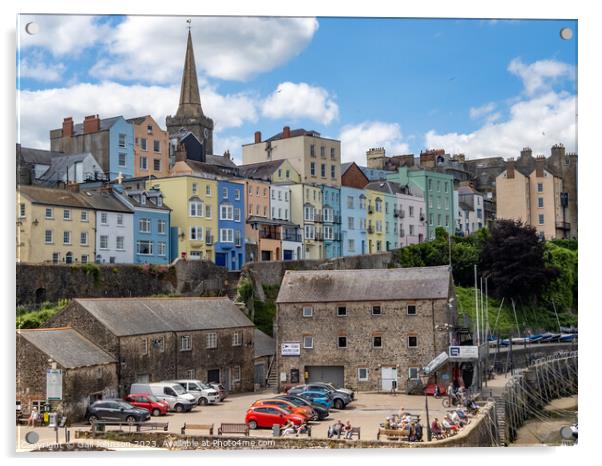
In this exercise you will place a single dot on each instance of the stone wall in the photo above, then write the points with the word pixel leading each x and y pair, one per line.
pixel 38 283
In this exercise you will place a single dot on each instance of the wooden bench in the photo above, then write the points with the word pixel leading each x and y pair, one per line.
pixel 392 434
pixel 208 427
pixel 355 431
pixel 233 429
pixel 142 426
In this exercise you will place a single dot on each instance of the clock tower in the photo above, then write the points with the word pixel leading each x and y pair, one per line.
pixel 189 116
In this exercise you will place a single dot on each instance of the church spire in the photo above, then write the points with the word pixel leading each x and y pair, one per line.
pixel 190 99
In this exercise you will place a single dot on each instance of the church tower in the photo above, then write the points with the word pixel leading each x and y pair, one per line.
pixel 189 116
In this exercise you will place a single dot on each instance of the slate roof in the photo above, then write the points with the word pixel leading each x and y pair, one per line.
pixel 137 120
pixel 365 285
pixel 36 156
pixel 265 345
pixel 260 170
pixel 294 133
pixel 389 187
pixel 220 160
pixel 60 164
pixel 345 166
pixel 101 200
pixel 139 316
pixel 151 197
pixel 48 196
pixel 67 347
pixel 105 124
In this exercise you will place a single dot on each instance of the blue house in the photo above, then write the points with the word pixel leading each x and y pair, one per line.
pixel 121 148
pixel 152 229
pixel 331 221
pixel 230 244
pixel 354 239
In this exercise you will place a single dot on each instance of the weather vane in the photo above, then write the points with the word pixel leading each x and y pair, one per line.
pixel 189 21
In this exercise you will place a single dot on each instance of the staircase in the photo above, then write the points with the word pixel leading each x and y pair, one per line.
pixel 500 414
pixel 272 378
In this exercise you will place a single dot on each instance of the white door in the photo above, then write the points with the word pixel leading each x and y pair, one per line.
pixel 388 377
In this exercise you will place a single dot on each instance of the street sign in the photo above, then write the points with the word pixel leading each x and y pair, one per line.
pixel 464 352
pixel 290 349
pixel 54 384
pixel 436 363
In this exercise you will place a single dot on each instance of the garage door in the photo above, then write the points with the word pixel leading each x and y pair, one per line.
pixel 332 374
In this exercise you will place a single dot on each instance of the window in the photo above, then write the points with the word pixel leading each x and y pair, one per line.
pixel 143 163
pixel 226 235
pixel 540 202
pixel 121 160
pixel 413 373
pixel 162 248
pixel 328 233
pixel 144 225
pixel 376 310
pixel 322 151
pixel 412 341
pixel 351 223
pixel 541 219
pixel 208 211
pixel 430 185
pixel 48 237
pixel 66 237
pixel 310 232
pixel 312 169
pixel 119 243
pixel 194 188
pixel 377 342
pixel 308 342
pixel 104 242
pixel 157 146
pixel 341 311
pixel 84 258
pixel 342 342
pixel 149 129
pixel 104 218
pixel 445 186
pixel 379 204
pixel 161 226
pixel 308 311
pixel 540 187
pixel 312 150
pixel 362 374
pixel 83 238
pixel 237 194
pixel 66 214
pixel 144 247
pixel 226 212
pixel 438 185
pixel 431 219
pixel 212 340
pixel 236 374
pixel 323 170
pixel 121 140
pixel 308 213
pixel 185 343
pixel 195 208
pixel 159 343
pixel 196 233
pixel 411 309
pixel 351 245
pixel 119 219
pixel 225 193
pixel 55 257
pixel 332 154
pixel 236 339
pixel 21 210
pixel 333 171
pixel 49 213
pixel 157 165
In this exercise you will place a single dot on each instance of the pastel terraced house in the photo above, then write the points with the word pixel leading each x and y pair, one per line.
pixel 194 211
pixel 230 244
pixel 54 226
pixel 306 210
pixel 151 147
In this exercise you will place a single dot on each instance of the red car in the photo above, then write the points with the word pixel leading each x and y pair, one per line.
pixel 149 402
pixel 267 416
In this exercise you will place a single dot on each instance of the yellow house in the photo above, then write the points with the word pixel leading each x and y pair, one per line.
pixel 194 202
pixel 375 220
pixel 306 211
pixel 54 226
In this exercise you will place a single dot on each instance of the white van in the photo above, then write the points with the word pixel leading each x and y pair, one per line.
pixel 173 393
pixel 205 393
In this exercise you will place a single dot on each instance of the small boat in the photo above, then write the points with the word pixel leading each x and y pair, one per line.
pixel 519 341
pixel 505 342
pixel 549 337
pixel 534 338
pixel 567 337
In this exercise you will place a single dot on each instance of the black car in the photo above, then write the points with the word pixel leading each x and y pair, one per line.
pixel 321 411
pixel 116 411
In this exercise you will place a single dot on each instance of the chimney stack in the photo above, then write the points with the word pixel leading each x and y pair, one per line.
pixel 539 166
pixel 257 136
pixel 558 149
pixel 526 152
pixel 68 127
pixel 510 168
pixel 227 154
pixel 91 124
pixel 286 132
pixel 181 153
pixel 73 187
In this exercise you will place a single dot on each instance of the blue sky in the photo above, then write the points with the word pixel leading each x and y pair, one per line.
pixel 479 87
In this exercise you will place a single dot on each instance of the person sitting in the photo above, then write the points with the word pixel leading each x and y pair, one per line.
pixel 462 415
pixel 412 437
pixel 33 417
pixel 449 427
pixel 436 429
pixel 471 406
pixel 335 429
pixel 418 430
pixel 288 428
pixel 348 429
pixel 302 429
pixel 456 419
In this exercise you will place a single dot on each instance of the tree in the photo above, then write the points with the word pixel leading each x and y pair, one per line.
pixel 513 257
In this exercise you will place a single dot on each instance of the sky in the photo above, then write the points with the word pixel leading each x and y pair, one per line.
pixel 477 87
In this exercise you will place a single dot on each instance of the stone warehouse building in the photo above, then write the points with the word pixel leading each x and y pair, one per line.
pixel 368 329
pixel 88 372
pixel 156 339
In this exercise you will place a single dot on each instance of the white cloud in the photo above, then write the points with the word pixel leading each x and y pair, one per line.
pixel 43 110
pixel 538 122
pixel 40 71
pixel 478 112
pixel 235 48
pixel 300 100
pixel 541 75
pixel 357 139
pixel 62 34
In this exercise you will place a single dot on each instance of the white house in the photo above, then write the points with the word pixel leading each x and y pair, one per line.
pixel 468 205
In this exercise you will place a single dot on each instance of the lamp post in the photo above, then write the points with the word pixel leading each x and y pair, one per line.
pixel 424 378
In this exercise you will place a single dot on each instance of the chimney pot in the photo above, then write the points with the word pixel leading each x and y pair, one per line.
pixel 257 136
pixel 91 124
pixel 68 126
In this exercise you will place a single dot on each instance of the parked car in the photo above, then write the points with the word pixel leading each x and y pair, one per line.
pixel 346 391
pixel 319 398
pixel 152 404
pixel 304 411
pixel 173 393
pixel 117 411
pixel 205 394
pixel 339 400
pixel 320 410
pixel 267 416
pixel 220 389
